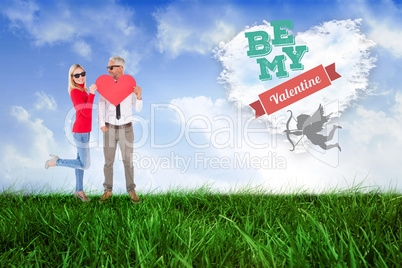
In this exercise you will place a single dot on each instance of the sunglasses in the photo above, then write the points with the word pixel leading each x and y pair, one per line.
pixel 111 67
pixel 78 75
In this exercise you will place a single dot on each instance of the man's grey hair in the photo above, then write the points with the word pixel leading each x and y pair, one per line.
pixel 118 61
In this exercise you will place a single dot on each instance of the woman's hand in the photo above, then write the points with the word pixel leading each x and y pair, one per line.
pixel 92 89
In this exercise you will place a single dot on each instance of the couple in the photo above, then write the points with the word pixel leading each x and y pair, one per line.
pixel 115 124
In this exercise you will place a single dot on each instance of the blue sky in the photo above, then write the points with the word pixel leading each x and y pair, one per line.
pixel 177 51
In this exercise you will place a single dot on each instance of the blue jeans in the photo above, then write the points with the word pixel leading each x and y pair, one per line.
pixel 82 162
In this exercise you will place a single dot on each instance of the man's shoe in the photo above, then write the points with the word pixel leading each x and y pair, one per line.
pixel 105 196
pixel 134 197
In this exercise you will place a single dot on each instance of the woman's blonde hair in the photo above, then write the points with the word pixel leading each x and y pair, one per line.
pixel 71 83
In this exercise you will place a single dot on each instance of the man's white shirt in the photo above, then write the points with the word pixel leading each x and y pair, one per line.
pixel 107 111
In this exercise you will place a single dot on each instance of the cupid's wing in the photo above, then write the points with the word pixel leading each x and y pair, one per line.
pixel 317 120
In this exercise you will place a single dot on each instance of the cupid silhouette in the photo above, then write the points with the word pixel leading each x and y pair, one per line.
pixel 309 126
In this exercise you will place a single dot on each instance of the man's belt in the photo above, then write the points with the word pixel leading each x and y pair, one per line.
pixel 118 127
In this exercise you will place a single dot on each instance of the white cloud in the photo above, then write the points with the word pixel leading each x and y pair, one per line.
pixel 44 25
pixel 384 19
pixel 376 143
pixel 108 24
pixel 20 113
pixel 22 14
pixel 387 37
pixel 183 28
pixel 82 48
pixel 377 125
pixel 39 135
pixel 397 109
pixel 339 42
pixel 45 101
pixel 23 161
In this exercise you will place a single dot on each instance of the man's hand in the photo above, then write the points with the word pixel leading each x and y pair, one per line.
pixel 137 91
pixel 104 128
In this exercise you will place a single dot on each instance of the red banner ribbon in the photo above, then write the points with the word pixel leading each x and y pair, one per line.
pixel 294 89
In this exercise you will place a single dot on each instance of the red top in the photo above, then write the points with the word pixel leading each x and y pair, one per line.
pixel 83 106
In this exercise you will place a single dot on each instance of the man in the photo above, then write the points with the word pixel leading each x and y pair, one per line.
pixel 116 125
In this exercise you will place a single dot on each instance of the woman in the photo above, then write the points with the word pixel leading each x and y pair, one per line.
pixel 82 127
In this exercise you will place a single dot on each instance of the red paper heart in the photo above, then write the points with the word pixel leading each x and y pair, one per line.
pixel 115 92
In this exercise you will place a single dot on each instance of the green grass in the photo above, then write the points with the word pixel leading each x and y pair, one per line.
pixel 203 229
